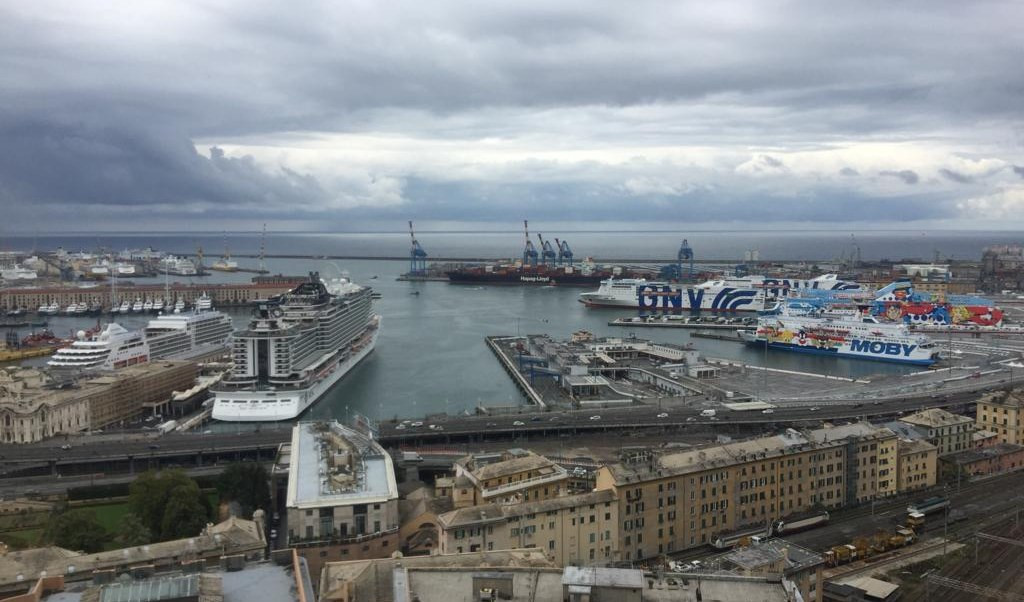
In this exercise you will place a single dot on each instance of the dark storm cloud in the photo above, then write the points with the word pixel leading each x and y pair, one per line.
pixel 908 176
pixel 954 176
pixel 106 112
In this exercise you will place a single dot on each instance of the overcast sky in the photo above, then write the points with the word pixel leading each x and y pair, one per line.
pixel 360 115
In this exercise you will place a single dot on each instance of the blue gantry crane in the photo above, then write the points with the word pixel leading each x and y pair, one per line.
pixel 677 271
pixel 564 252
pixel 546 250
pixel 529 252
pixel 417 256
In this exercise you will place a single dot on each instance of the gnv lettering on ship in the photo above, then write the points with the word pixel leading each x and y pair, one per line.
pixel 647 296
pixel 880 348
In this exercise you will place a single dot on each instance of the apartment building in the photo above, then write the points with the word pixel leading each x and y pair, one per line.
pixel 872 459
pixel 1002 457
pixel 573 529
pixel 342 500
pixel 1000 412
pixel 684 499
pixel 948 432
pixel 511 477
pixel 917 465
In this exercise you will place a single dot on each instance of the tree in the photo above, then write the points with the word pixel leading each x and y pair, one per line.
pixel 150 497
pixel 77 530
pixel 132 532
pixel 247 484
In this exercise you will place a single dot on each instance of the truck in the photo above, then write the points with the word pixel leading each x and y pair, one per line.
pixel 799 522
pixel 928 506
pixel 863 547
pixel 707 413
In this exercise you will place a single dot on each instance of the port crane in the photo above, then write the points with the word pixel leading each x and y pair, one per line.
pixel 685 254
pixel 564 252
pixel 417 256
pixel 529 252
pixel 546 250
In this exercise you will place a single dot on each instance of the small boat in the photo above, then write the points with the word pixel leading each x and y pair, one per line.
pixel 137 306
pixel 125 307
pixel 179 305
pixel 148 305
pixel 158 305
pixel 414 293
pixel 374 277
pixel 95 309
pixel 204 303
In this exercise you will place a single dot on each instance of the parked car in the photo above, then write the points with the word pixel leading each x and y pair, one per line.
pixel 595 417
pixel 518 423
pixel 663 415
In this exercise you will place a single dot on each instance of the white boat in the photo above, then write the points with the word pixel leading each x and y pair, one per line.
pixel 179 266
pixel 158 305
pixel 749 293
pixel 179 305
pixel 114 347
pixel 188 335
pixel 71 309
pixel 100 269
pixel 147 306
pixel 225 265
pixel 125 307
pixel 204 303
pixel 137 306
pixel 125 269
pixel 840 333
pixel 18 272
pixel 295 349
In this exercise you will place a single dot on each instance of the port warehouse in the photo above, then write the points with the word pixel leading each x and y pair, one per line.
pixel 33 406
pixel 220 294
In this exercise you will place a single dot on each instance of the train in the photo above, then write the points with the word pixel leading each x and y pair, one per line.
pixel 928 506
pixel 865 547
pixel 785 526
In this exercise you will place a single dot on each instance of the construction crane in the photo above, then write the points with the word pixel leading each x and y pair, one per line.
pixel 546 250
pixel 529 252
pixel 417 256
pixel 685 254
pixel 564 252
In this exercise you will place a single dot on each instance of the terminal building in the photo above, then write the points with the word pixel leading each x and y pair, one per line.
pixel 34 406
pixel 342 498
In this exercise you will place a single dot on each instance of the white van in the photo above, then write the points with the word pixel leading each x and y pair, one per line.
pixel 707 413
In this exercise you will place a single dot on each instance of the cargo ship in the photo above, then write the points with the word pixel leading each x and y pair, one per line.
pixel 840 333
pixel 586 274
pixel 748 293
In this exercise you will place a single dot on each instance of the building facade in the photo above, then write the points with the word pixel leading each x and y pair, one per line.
pixel 342 498
pixel 573 529
pixel 950 433
pixel 916 468
pixel 1002 457
pixel 1000 412
pixel 511 477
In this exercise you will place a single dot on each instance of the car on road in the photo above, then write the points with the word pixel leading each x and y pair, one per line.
pixel 767 411
pixel 492 424
pixel 154 446
pixel 400 427
pixel 595 417
pixel 815 408
pixel 691 419
pixel 518 423
pixel 663 415
pixel 416 424
pixel 66 446
pixel 535 419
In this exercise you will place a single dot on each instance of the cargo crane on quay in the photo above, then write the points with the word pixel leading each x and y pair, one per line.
pixel 417 256
pixel 547 251
pixel 564 252
pixel 529 252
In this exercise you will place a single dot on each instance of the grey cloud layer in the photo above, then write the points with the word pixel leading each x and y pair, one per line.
pixel 104 112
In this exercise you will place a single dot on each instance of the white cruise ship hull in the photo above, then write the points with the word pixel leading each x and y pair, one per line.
pixel 274 406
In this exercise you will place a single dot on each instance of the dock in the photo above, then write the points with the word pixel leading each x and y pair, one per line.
pixel 672 323
pixel 716 336
pixel 510 367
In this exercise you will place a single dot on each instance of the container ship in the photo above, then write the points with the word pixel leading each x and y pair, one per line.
pixel 840 333
pixel 748 293
pixel 296 348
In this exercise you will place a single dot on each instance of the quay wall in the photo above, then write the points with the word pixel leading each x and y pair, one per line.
pixel 222 294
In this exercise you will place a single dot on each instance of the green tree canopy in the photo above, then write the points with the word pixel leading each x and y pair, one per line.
pixel 246 483
pixel 77 530
pixel 151 497
pixel 132 532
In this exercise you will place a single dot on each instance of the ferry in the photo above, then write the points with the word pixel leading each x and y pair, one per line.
pixel 748 293
pixel 296 348
pixel 114 347
pixel 840 333
pixel 188 335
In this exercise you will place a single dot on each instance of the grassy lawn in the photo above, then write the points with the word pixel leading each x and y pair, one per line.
pixel 109 515
pixel 25 538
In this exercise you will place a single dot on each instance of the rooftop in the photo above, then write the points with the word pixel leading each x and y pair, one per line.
pixel 935 417
pixel 592 576
pixel 1013 398
pixel 986 453
pixel 495 512
pixel 763 555
pixel 915 446
pixel 856 430
pixel 332 465
pixel 512 466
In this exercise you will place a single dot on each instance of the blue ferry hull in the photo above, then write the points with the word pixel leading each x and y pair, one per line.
pixel 836 353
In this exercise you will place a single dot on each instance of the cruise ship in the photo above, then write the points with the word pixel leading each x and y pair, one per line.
pixel 749 293
pixel 296 347
pixel 179 266
pixel 114 347
pixel 840 333
pixel 188 335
